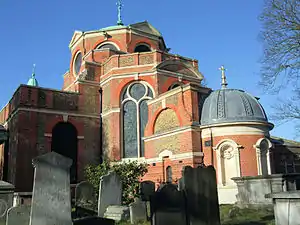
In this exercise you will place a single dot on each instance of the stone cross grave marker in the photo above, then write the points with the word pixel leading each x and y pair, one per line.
pixel 200 187
pixel 18 215
pixel 51 198
pixel 110 192
pixel 169 206
pixel 85 195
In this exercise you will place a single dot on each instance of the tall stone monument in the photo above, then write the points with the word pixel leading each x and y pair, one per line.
pixel 51 198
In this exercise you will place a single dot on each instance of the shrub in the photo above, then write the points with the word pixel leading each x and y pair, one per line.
pixel 129 172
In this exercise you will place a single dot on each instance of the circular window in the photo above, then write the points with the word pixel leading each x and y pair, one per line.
pixel 77 63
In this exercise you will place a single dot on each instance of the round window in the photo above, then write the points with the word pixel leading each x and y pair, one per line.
pixel 77 63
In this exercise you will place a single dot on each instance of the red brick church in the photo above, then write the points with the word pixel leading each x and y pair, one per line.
pixel 126 97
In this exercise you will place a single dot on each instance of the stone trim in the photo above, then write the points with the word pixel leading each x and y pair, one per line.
pixel 48 111
pixel 244 128
pixel 266 124
pixel 127 75
pixel 111 111
pixel 257 147
pixel 236 155
pixel 170 133
pixel 49 135
pixel 172 157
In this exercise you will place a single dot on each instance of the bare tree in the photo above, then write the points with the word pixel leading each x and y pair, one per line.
pixel 281 39
pixel 281 62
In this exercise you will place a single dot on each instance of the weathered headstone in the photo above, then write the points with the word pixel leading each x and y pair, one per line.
pixel 18 215
pixel 138 211
pixel 110 192
pixel 85 195
pixel 51 199
pixel 6 198
pixel 147 189
pixel 169 206
pixel 200 187
pixel 117 213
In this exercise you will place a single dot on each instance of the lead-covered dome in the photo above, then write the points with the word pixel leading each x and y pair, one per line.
pixel 231 105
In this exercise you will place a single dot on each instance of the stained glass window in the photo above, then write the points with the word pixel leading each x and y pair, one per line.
pixel 135 118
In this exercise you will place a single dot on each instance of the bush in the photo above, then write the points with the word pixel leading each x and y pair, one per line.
pixel 130 173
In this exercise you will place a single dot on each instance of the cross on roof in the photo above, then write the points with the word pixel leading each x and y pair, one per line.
pixel 224 82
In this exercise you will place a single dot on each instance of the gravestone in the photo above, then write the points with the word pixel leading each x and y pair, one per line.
pixel 6 198
pixel 200 187
pixel 169 206
pixel 117 213
pixel 147 189
pixel 110 192
pixel 51 199
pixel 138 211
pixel 85 195
pixel 18 215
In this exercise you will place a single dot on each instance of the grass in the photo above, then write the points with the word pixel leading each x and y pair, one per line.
pixel 241 217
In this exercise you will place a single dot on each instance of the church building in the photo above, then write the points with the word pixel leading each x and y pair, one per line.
pixel 125 97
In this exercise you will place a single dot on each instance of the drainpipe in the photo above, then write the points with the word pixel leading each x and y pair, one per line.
pixel 211 148
pixel 100 124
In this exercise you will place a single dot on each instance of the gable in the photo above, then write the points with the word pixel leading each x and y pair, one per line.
pixel 145 27
pixel 177 66
pixel 77 34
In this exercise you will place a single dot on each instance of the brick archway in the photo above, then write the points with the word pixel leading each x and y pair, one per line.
pixel 64 142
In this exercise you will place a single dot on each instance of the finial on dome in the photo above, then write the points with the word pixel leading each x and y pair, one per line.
pixel 224 82
pixel 33 71
pixel 119 4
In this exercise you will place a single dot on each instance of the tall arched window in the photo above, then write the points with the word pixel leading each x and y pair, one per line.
pixel 135 118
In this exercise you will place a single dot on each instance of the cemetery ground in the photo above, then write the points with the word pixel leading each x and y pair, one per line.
pixel 262 216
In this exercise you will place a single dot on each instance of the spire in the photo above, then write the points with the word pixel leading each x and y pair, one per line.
pixel 119 4
pixel 224 82
pixel 33 81
pixel 33 71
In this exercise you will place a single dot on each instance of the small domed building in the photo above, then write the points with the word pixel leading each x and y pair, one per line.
pixel 235 133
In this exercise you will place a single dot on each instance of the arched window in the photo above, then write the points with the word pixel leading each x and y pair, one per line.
pixel 108 46
pixel 142 48
pixel 169 174
pixel 263 146
pixel 175 85
pixel 135 118
pixel 77 63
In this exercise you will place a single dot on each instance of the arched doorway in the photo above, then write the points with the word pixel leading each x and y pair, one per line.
pixel 64 142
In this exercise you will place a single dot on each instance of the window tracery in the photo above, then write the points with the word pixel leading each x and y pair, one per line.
pixel 134 118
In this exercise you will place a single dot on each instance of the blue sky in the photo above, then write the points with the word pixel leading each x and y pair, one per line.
pixel 215 32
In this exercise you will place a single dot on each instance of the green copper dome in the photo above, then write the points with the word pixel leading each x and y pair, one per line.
pixel 33 81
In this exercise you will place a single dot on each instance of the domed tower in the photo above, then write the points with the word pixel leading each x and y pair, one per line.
pixel 33 81
pixel 235 137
